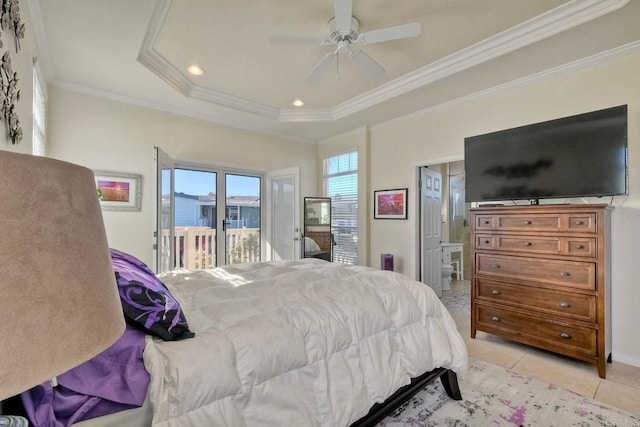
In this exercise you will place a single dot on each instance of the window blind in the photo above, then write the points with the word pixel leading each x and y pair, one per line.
pixel 341 185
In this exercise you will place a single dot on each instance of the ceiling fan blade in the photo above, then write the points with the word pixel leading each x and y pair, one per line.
pixel 297 40
pixel 396 32
pixel 367 63
pixel 342 10
pixel 321 66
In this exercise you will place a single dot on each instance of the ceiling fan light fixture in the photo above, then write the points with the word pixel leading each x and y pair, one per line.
pixel 343 31
pixel 298 102
pixel 196 70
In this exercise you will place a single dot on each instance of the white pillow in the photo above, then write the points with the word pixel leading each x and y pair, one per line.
pixel 310 245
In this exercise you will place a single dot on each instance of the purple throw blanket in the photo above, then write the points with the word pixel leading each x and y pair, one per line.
pixel 113 381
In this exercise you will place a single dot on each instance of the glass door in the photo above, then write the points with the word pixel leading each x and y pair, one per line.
pixel 195 219
pixel 164 237
pixel 242 218
pixel 196 232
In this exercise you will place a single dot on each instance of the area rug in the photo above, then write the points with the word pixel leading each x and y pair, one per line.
pixel 494 396
pixel 457 300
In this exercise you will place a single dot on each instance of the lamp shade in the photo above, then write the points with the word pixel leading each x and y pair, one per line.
pixel 59 303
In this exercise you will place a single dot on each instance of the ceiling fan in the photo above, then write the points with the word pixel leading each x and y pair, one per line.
pixel 343 30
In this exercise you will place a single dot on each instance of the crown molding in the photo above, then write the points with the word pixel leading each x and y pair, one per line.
pixel 153 60
pixel 232 119
pixel 307 115
pixel 234 102
pixel 43 58
pixel 538 28
pixel 570 67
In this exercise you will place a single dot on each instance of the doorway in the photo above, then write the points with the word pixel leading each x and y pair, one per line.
pixel 213 217
pixel 452 225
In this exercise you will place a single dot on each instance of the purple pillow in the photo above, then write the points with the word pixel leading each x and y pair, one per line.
pixel 146 301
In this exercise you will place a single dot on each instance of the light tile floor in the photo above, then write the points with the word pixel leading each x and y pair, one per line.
pixel 621 388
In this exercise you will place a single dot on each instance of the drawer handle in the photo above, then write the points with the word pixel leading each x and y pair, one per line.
pixel 579 222
pixel 486 222
pixel 564 304
pixel 579 246
pixel 527 243
pixel 565 335
pixel 526 222
pixel 486 242
pixel 495 265
pixel 495 318
pixel 495 292
pixel 565 274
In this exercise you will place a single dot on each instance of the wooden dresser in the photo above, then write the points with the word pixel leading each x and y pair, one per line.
pixel 540 276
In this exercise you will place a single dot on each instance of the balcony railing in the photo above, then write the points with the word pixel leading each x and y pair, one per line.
pixel 195 247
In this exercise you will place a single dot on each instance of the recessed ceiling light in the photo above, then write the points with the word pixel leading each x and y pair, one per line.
pixel 298 103
pixel 196 71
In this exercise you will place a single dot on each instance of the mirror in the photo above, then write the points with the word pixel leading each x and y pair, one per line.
pixel 317 241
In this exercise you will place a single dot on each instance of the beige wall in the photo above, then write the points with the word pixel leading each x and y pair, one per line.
pixel 108 135
pixel 431 137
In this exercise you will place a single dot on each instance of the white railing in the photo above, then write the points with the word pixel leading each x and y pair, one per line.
pixel 195 247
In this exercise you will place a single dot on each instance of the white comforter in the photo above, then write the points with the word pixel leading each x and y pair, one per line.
pixel 296 343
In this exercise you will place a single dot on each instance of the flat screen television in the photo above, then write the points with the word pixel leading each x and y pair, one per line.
pixel 578 156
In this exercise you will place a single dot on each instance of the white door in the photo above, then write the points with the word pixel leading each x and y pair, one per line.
pixel 431 228
pixel 164 232
pixel 283 213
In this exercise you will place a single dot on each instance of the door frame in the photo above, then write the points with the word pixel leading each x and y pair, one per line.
pixel 417 209
pixel 163 161
pixel 221 170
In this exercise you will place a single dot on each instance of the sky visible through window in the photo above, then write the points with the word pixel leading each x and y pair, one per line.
pixel 200 183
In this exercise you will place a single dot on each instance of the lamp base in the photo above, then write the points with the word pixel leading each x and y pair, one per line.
pixel 13 421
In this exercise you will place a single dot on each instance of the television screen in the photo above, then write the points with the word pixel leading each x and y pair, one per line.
pixel 578 156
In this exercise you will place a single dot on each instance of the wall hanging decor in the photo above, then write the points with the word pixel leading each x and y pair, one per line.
pixel 390 204
pixel 9 92
pixel 119 191
pixel 10 20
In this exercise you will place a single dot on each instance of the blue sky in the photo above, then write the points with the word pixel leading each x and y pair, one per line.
pixel 200 183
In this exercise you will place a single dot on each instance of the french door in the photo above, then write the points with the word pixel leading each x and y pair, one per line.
pixel 164 230
pixel 207 216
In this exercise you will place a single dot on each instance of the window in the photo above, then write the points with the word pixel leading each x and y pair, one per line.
pixel 341 184
pixel 39 113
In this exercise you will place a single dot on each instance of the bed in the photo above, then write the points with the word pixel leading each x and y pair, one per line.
pixel 304 342
pixel 313 250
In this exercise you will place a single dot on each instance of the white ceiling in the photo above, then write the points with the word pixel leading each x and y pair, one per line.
pixel 139 51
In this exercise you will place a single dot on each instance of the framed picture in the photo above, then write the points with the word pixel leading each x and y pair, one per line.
pixel 390 204
pixel 119 191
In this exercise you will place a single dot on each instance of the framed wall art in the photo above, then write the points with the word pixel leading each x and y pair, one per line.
pixel 119 191
pixel 390 204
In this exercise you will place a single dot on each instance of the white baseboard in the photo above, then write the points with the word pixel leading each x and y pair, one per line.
pixel 627 360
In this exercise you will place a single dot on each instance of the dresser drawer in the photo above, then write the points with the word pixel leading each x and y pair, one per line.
pixel 547 245
pixel 574 274
pixel 586 247
pixel 543 245
pixel 582 223
pixel 540 328
pixel 571 305
pixel 575 222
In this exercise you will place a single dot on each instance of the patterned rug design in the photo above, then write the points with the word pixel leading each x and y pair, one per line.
pixel 458 299
pixel 494 396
